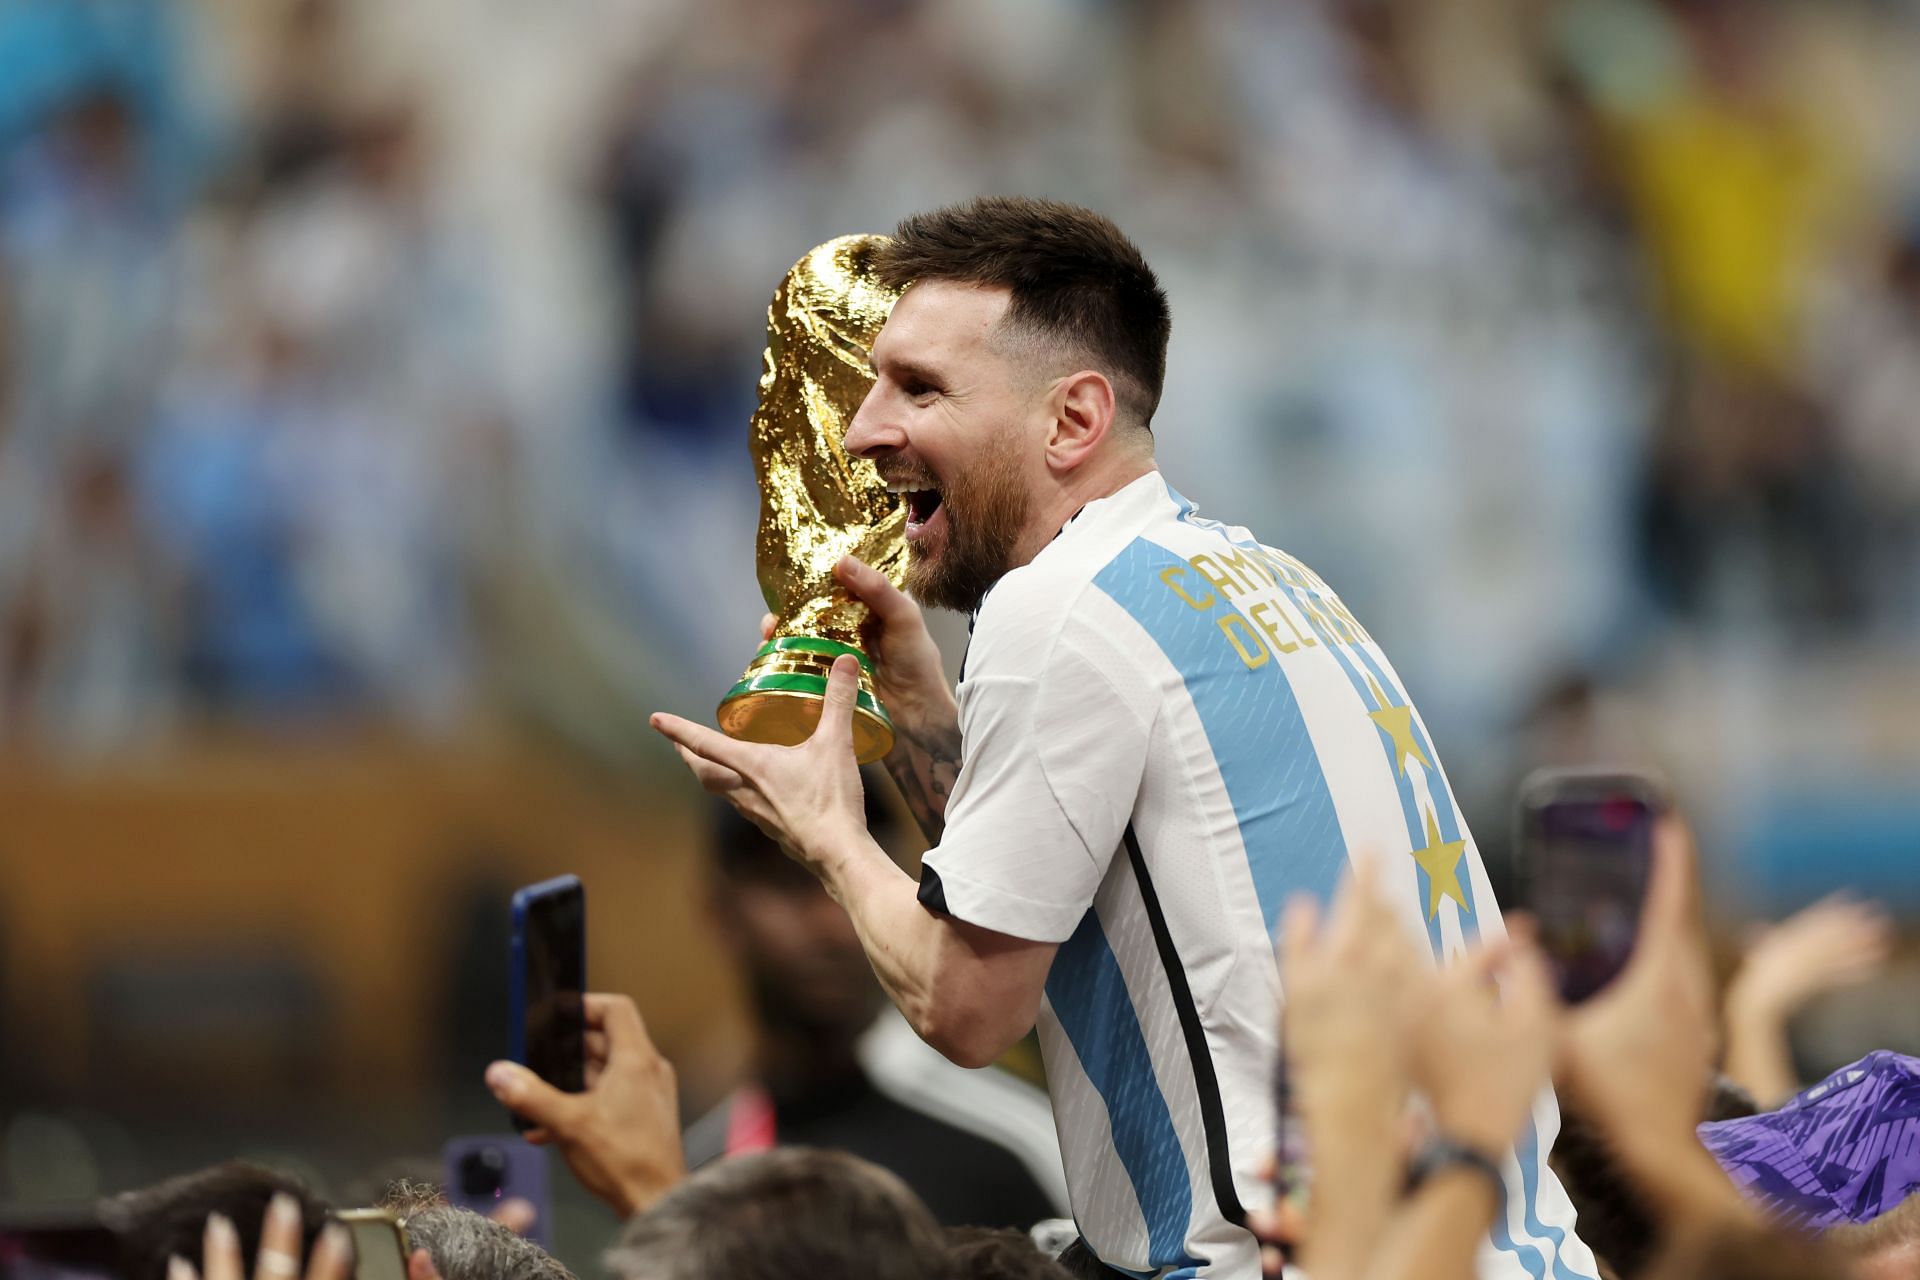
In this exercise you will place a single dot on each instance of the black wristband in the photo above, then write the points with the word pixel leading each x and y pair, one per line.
pixel 1442 1153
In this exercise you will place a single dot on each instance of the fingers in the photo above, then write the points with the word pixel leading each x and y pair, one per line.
pixel 220 1250
pixel 835 729
pixel 875 590
pixel 1529 990
pixel 709 744
pixel 767 624
pixel 716 778
pixel 619 1017
pixel 529 1097
pixel 1478 965
pixel 515 1214
pixel 333 1256
pixel 280 1241
pixel 1299 924
pixel 1668 917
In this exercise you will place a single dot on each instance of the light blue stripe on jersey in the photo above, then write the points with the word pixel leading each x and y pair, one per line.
pixel 1409 809
pixel 1260 743
pixel 1526 1152
pixel 1089 997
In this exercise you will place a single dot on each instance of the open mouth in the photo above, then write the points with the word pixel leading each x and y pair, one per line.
pixel 921 506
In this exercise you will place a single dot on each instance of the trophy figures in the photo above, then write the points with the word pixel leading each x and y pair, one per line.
pixel 816 503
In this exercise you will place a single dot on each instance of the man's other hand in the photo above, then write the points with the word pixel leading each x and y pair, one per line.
pixel 907 670
pixel 807 798
pixel 621 1137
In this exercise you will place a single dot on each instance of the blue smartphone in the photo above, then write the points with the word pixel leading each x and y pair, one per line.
pixel 484 1171
pixel 548 983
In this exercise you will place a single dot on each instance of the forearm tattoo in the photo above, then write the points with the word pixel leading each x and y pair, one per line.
pixel 925 769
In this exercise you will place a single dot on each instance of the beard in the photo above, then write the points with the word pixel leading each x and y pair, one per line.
pixel 986 512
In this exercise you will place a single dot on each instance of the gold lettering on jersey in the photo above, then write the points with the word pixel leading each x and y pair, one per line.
pixel 1205 567
pixel 1168 576
pixel 1242 568
pixel 1264 614
pixel 1238 633
pixel 1290 595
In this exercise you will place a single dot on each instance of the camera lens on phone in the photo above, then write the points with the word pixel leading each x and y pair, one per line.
pixel 483 1172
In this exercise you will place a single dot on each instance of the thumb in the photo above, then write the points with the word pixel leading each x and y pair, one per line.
pixel 529 1097
pixel 836 718
pixel 872 588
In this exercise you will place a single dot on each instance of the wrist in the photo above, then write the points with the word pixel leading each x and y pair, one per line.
pixel 1482 1128
pixel 915 716
pixel 1454 1161
pixel 1751 1007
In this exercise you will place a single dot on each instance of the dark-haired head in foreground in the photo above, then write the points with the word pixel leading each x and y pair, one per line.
pixel 155 1223
pixel 781 1214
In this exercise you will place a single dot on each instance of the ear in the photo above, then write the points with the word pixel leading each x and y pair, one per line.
pixel 1083 410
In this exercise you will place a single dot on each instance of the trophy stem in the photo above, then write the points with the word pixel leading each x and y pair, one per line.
pixel 779 698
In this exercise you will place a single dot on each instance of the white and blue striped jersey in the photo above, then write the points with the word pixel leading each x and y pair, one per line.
pixel 1168 730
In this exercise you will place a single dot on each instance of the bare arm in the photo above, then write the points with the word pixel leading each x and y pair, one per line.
pixel 924 763
pixel 969 992
pixel 912 684
pixel 1833 943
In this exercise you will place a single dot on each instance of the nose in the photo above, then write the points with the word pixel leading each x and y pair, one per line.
pixel 874 431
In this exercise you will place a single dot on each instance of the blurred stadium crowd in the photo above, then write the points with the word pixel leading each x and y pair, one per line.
pixel 385 368
pixel 391 362
pixel 1551 330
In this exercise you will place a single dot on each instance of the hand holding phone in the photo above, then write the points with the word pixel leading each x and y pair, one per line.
pixel 1586 853
pixel 548 982
pixel 621 1138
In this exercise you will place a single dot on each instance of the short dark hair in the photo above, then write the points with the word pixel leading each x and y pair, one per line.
pixel 792 1211
pixel 168 1218
pixel 1073 275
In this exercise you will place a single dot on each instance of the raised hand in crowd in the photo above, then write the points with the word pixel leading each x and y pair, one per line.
pixel 621 1136
pixel 1836 942
pixel 1483 1051
pixel 281 1233
pixel 1636 1058
pixel 1353 983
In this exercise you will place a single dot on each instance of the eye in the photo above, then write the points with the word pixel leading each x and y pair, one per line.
pixel 919 388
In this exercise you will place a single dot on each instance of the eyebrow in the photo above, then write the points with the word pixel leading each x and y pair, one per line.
pixel 902 367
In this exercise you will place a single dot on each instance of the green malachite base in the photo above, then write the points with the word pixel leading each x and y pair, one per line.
pixel 779 698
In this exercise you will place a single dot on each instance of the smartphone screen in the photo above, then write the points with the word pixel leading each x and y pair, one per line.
pixel 549 980
pixel 1586 850
pixel 379 1244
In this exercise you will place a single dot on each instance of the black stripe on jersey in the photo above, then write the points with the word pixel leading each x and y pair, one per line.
pixel 1213 1113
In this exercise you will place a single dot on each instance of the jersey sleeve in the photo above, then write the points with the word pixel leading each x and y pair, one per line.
pixel 1055 750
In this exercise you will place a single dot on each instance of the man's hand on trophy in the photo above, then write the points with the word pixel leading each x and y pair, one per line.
pixel 808 798
pixel 907 670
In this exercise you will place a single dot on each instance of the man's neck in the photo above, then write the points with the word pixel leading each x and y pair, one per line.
pixel 1089 484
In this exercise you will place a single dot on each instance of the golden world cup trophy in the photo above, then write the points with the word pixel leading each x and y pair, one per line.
pixel 817 504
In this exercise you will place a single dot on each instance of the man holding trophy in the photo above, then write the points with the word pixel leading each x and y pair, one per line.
pixel 1163 728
